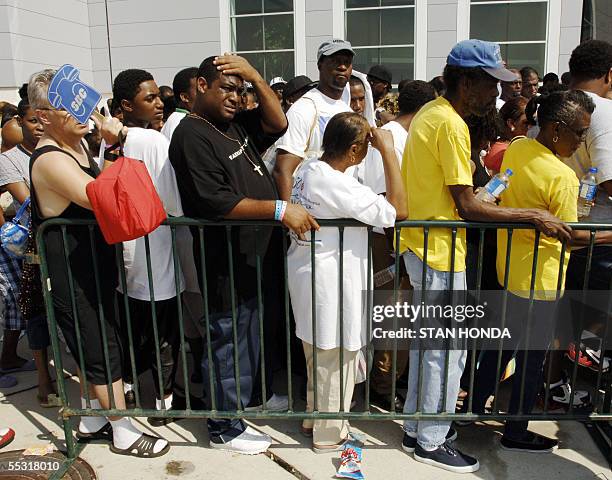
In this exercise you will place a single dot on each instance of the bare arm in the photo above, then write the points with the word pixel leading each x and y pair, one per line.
pixel 19 191
pixel 382 140
pixel 285 166
pixel 273 118
pixel 582 238
pixel 296 217
pixel 59 173
pixel 470 208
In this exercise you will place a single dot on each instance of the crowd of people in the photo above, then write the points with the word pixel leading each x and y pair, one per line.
pixel 224 144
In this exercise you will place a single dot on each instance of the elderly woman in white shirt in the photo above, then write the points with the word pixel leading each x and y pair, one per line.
pixel 325 188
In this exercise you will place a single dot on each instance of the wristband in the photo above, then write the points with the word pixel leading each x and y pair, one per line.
pixel 279 211
pixel 283 210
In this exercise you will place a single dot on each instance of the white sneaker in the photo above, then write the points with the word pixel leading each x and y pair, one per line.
pixel 249 442
pixel 277 403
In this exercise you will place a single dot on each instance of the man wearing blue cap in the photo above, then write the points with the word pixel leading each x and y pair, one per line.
pixel 438 181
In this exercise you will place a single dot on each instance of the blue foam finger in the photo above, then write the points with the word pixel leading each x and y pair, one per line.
pixel 69 92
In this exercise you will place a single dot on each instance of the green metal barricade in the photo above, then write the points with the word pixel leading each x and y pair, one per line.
pixel 198 228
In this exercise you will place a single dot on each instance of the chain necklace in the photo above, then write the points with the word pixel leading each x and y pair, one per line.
pixel 256 168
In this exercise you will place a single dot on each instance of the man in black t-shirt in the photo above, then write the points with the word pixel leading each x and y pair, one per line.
pixel 215 152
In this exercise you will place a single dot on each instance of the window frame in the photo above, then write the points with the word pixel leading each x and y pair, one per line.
pixel 298 33
pixel 548 48
pixel 415 8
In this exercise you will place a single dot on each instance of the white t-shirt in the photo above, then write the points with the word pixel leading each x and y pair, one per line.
pixel 172 122
pixel 307 119
pixel 152 148
pixel 499 103
pixel 596 151
pixel 329 193
pixel 372 165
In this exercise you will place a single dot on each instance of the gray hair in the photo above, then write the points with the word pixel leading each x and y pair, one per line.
pixel 38 88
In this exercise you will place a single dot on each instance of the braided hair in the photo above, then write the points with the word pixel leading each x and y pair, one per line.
pixel 558 106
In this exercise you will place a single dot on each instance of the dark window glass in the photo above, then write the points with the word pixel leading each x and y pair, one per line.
pixel 245 7
pixel 249 33
pixel 278 32
pixel 400 60
pixel 274 6
pixel 520 55
pixel 509 23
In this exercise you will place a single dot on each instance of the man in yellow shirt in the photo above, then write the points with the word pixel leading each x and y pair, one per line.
pixel 540 180
pixel 438 181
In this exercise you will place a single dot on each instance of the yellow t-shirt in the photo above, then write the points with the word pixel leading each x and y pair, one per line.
pixel 437 154
pixel 540 180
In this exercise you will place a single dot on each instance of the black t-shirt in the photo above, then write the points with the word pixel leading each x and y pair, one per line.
pixel 214 174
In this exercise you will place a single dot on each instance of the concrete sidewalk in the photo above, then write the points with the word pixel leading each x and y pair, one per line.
pixel 190 457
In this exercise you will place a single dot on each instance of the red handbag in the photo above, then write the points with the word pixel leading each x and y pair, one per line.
pixel 124 201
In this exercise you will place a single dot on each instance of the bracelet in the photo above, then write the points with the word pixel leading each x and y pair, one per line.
pixel 283 210
pixel 279 211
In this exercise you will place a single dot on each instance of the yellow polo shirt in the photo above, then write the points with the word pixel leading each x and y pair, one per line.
pixel 540 180
pixel 437 155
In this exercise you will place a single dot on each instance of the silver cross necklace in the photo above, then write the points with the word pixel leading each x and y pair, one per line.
pixel 256 168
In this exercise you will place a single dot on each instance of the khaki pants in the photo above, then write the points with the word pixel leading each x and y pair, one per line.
pixel 329 432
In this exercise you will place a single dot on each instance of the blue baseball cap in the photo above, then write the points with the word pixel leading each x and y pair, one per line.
pixel 477 53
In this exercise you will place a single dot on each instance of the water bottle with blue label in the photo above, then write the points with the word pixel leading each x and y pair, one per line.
pixel 586 194
pixel 492 190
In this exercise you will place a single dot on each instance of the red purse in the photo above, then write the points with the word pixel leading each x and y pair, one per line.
pixel 124 201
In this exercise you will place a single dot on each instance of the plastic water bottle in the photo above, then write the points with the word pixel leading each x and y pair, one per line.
pixel 586 194
pixel 384 276
pixel 492 190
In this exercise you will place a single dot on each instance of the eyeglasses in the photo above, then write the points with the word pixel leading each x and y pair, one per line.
pixel 581 135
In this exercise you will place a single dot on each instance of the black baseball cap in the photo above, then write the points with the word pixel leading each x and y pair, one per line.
pixel 382 73
pixel 297 84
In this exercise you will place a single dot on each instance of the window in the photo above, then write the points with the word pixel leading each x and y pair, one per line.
pixel 382 32
pixel 518 26
pixel 262 32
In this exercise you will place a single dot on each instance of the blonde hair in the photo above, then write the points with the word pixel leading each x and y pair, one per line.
pixel 38 88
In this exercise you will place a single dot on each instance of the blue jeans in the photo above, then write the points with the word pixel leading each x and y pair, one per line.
pixel 222 370
pixel 432 434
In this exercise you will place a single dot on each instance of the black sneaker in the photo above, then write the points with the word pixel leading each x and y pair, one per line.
pixel 531 442
pixel 409 443
pixel 447 458
pixel 383 400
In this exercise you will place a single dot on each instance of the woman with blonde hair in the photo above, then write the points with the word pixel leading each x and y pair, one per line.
pixel 60 169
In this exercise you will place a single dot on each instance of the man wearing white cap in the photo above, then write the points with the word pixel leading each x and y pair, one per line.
pixel 277 84
pixel 308 116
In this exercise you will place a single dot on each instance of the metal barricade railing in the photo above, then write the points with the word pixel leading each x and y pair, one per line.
pixel 601 386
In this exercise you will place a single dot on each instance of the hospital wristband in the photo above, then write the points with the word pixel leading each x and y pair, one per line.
pixel 279 210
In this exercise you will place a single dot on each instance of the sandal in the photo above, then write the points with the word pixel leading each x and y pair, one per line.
pixel 306 431
pixel 49 401
pixel 329 448
pixel 105 433
pixel 7 435
pixel 142 448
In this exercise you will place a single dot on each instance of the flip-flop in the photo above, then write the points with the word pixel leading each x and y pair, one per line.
pixel 7 381
pixel 49 401
pixel 105 433
pixel 142 448
pixel 331 448
pixel 7 435
pixel 28 366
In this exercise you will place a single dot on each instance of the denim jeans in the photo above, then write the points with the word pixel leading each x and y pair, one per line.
pixel 222 370
pixel 432 434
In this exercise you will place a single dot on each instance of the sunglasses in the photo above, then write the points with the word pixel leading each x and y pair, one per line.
pixel 581 134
